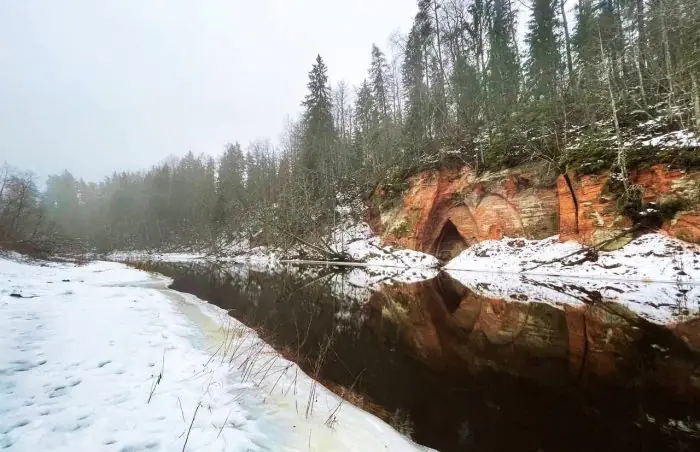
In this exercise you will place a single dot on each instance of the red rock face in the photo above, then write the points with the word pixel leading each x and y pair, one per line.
pixel 595 214
pixel 518 203
pixel 480 207
pixel 685 227
pixel 568 210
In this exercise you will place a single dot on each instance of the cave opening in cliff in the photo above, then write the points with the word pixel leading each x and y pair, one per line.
pixel 449 243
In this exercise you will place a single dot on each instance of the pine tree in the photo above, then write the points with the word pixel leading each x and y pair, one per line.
pixel 467 96
pixel 413 76
pixel 319 131
pixel 504 68
pixel 378 76
pixel 544 59
pixel 585 43
pixel 230 189
pixel 438 99
pixel 365 123
pixel 543 66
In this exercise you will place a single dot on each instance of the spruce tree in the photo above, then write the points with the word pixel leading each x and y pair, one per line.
pixel 415 91
pixel 504 68
pixel 544 59
pixel 319 132
pixel 585 43
pixel 378 75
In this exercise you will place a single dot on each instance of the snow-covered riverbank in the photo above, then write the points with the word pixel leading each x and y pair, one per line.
pixel 549 271
pixel 651 257
pixel 84 349
pixel 355 240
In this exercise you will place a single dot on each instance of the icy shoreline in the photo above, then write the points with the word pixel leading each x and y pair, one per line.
pixel 101 355
pixel 655 276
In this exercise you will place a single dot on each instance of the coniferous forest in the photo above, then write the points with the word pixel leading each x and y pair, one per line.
pixel 592 86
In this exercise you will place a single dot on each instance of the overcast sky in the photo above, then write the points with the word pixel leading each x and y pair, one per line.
pixel 94 86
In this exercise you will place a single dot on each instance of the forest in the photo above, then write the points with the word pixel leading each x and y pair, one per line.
pixel 593 86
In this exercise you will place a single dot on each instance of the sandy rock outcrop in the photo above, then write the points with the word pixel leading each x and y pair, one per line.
pixel 443 212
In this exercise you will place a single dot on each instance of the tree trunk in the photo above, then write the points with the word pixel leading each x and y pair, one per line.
pixel 667 57
pixel 4 181
pixel 439 43
pixel 621 50
pixel 621 157
pixel 567 41
pixel 640 76
pixel 429 121
pixel 696 99
pixel 641 36
pixel 20 208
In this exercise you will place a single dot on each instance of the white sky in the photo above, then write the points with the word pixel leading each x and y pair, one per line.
pixel 94 86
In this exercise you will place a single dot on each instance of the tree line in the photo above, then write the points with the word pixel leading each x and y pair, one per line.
pixel 459 88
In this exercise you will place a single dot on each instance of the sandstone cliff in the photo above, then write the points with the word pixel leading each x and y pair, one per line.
pixel 442 212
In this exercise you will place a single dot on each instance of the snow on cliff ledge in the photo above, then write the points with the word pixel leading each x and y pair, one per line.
pixel 653 257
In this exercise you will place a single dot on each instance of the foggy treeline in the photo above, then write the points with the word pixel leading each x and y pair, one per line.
pixel 459 88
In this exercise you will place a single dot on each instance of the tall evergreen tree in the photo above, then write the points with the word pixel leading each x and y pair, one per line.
pixel 543 66
pixel 413 76
pixel 544 58
pixel 379 77
pixel 365 123
pixel 319 131
pixel 504 68
pixel 586 46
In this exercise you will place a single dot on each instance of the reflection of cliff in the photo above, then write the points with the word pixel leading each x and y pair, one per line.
pixel 447 325
pixel 523 203
pixel 493 366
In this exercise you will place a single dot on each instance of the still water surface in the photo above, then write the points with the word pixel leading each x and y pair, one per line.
pixel 459 371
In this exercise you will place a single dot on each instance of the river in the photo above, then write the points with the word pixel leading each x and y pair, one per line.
pixel 456 370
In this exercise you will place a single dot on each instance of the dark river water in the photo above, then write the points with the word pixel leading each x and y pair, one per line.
pixel 460 371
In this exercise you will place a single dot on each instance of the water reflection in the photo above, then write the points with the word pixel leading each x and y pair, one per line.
pixel 461 370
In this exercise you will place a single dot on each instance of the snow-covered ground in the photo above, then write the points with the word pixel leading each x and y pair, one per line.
pixel 357 240
pixel 103 357
pixel 352 238
pixel 655 276
pixel 651 257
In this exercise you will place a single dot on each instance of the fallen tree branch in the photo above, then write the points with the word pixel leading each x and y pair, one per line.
pixel 329 252
pixel 590 249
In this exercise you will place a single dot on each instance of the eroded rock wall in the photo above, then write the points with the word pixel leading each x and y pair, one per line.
pixel 527 202
pixel 487 206
pixel 596 214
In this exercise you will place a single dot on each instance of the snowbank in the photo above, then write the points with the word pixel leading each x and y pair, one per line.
pixel 358 241
pixel 102 357
pixel 651 257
